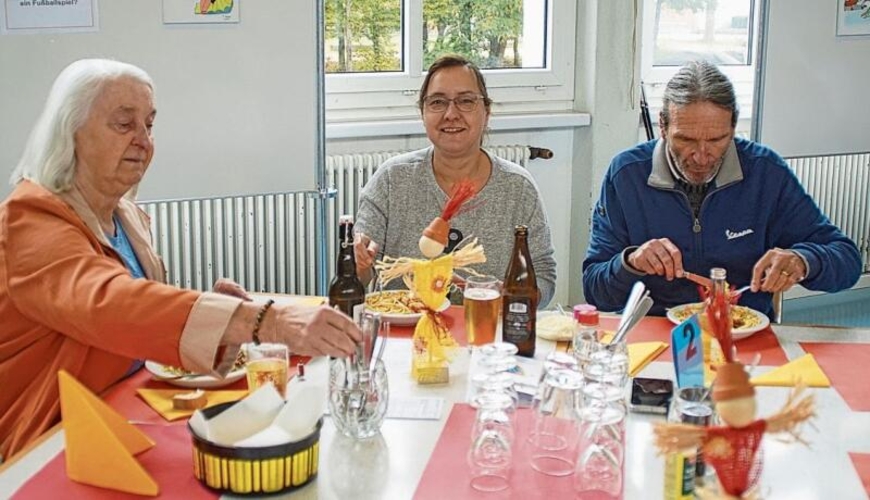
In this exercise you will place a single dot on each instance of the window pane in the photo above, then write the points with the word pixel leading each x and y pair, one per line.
pixel 715 30
pixel 492 33
pixel 363 36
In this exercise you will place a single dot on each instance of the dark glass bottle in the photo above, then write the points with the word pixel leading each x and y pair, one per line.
pixel 521 295
pixel 346 291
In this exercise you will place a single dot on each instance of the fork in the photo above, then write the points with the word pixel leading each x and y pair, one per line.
pixel 737 293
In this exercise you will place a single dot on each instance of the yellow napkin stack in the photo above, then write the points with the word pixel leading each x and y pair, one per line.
pixel 100 443
pixel 641 354
pixel 804 369
pixel 161 400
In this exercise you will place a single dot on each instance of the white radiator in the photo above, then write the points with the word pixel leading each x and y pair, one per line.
pixel 840 185
pixel 266 243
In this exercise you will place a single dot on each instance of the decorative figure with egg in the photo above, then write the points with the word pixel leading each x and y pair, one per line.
pixel 733 449
pixel 430 280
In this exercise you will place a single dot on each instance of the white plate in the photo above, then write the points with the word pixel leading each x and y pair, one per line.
pixel 675 313
pixel 408 319
pixel 164 374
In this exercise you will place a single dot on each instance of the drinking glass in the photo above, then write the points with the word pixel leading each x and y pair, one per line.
pixel 267 363
pixel 482 301
pixel 493 371
pixel 359 389
pixel 693 405
pixel 585 343
pixel 490 456
pixel 555 434
pixel 600 471
pixel 606 372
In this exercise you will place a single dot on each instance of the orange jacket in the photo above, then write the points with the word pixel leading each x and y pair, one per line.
pixel 67 302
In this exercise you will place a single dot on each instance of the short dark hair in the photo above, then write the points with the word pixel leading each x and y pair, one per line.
pixel 699 81
pixel 452 61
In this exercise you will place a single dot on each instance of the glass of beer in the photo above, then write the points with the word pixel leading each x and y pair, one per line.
pixel 482 301
pixel 267 363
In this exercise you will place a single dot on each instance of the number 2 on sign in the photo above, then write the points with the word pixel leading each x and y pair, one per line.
pixel 688 361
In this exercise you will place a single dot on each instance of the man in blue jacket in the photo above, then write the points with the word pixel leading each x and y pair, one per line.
pixel 699 198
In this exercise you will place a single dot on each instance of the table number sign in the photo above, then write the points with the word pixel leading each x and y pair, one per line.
pixel 688 353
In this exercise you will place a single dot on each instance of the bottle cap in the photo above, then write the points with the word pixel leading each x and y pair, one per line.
pixel 586 314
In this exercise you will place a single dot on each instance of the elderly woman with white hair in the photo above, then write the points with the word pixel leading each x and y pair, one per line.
pixel 81 288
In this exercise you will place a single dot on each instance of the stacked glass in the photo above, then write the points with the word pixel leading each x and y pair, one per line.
pixel 490 455
pixel 599 471
pixel 496 365
pixel 555 436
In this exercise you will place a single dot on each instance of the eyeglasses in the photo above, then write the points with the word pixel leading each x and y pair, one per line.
pixel 439 104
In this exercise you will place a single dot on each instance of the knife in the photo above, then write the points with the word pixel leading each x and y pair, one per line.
pixel 696 278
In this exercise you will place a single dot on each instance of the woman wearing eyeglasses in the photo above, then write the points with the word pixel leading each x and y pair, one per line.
pixel 409 190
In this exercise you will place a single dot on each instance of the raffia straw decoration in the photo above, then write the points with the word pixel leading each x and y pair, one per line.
pixel 672 437
pixel 796 410
pixel 465 255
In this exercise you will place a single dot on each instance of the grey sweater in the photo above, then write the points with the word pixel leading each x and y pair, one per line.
pixel 402 198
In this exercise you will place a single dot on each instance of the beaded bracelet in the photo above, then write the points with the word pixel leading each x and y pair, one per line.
pixel 259 321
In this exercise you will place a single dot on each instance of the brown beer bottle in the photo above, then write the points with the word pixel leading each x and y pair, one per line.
pixel 346 291
pixel 520 297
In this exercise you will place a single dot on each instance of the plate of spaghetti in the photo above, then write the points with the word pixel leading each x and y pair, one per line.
pixel 745 320
pixel 399 307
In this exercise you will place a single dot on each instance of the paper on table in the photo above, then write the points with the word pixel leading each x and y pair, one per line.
pixel 415 408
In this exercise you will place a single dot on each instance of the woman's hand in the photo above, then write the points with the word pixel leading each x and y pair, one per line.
pixel 316 331
pixel 364 251
pixel 230 287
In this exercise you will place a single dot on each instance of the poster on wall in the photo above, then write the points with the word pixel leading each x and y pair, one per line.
pixel 27 17
pixel 200 11
pixel 853 17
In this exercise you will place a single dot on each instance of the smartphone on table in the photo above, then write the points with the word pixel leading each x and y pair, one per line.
pixel 651 395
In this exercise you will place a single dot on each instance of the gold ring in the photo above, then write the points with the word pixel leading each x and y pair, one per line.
pixel 785 273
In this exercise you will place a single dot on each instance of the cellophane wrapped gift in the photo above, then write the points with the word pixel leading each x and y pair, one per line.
pixel 433 345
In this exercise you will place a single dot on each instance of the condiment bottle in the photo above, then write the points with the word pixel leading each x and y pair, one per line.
pixel 717 304
pixel 585 316
pixel 520 297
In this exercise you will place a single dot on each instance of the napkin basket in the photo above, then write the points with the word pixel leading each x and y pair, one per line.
pixel 268 469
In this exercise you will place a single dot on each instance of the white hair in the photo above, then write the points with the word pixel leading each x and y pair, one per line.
pixel 49 156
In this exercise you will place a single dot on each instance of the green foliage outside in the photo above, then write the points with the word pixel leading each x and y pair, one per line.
pixel 365 35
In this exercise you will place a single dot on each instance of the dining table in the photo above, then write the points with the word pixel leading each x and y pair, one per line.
pixel 421 453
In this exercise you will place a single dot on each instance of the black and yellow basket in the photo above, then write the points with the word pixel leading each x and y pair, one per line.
pixel 269 469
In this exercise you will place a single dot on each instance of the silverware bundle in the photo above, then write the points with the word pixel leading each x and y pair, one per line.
pixel 638 304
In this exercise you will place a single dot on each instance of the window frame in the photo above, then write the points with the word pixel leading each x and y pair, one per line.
pixel 651 74
pixel 394 94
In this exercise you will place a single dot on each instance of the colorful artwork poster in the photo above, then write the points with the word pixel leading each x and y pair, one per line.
pixel 27 17
pixel 200 11
pixel 853 17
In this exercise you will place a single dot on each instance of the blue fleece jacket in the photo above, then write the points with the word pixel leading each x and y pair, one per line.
pixel 755 204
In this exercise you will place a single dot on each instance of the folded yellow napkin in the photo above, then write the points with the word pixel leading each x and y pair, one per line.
pixel 641 353
pixel 161 400
pixel 804 369
pixel 100 443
